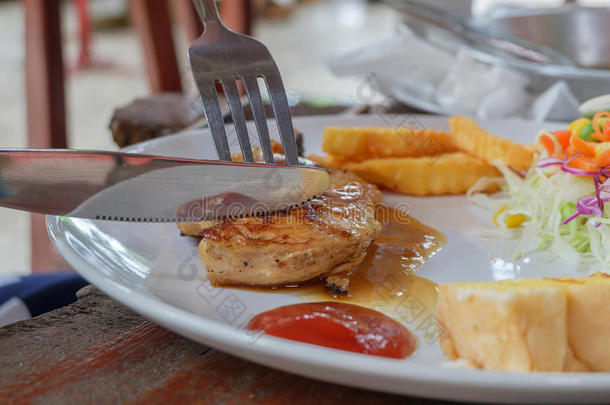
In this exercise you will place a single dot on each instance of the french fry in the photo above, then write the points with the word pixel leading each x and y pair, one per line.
pixel 471 138
pixel 451 173
pixel 358 144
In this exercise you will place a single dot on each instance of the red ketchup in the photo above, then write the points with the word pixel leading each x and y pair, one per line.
pixel 339 326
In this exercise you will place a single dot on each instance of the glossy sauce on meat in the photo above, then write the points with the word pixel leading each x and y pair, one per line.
pixel 388 274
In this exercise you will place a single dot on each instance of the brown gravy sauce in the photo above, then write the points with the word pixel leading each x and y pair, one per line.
pixel 387 275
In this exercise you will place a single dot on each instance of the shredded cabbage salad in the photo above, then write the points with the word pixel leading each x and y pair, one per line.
pixel 562 203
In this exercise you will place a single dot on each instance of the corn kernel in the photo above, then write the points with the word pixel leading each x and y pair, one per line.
pixel 577 125
pixel 498 213
pixel 514 220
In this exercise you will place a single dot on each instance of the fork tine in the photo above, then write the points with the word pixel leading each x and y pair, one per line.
pixel 258 111
pixel 213 116
pixel 275 87
pixel 237 111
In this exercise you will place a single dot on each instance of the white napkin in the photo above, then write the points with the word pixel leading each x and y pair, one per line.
pixel 483 7
pixel 403 59
pixel 484 90
pixel 419 73
pixel 555 104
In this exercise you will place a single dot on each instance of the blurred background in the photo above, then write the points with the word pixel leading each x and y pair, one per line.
pixel 326 50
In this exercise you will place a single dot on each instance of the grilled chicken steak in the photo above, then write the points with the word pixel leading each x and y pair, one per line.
pixel 322 239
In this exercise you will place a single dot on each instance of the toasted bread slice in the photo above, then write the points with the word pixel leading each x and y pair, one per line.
pixel 528 325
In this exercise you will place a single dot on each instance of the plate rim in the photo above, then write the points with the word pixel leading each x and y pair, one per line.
pixel 457 383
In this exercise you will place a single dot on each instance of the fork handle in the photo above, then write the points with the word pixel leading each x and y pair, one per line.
pixel 207 10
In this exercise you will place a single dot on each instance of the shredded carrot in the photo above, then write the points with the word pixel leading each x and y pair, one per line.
pixel 607 130
pixel 604 137
pixel 548 144
pixel 552 140
pixel 598 133
pixel 578 145
pixel 563 137
pixel 584 163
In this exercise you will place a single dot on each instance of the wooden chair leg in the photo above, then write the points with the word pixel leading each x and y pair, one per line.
pixel 152 21
pixel 84 59
pixel 46 113
pixel 237 15
pixel 188 18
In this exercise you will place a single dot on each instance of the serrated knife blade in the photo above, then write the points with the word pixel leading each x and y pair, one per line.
pixel 147 188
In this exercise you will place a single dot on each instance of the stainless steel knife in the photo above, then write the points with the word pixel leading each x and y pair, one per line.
pixel 145 188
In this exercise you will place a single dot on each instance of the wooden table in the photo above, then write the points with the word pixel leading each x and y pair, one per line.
pixel 97 351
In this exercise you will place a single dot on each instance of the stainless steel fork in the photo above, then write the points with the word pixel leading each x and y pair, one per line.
pixel 222 56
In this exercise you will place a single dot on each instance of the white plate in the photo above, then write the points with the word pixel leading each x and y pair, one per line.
pixel 154 271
